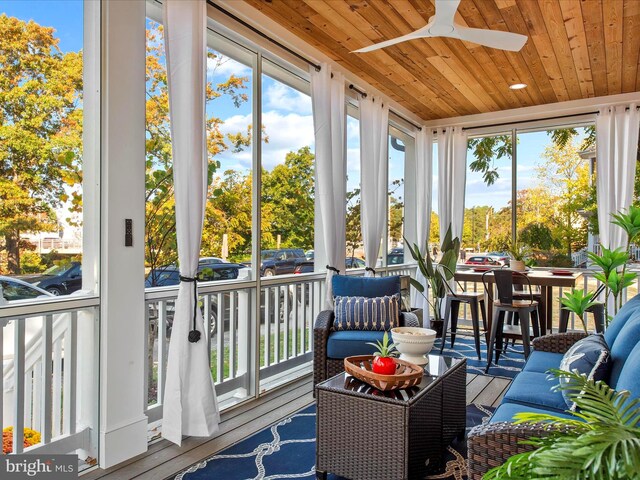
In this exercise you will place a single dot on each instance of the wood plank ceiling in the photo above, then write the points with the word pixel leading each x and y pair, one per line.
pixel 576 49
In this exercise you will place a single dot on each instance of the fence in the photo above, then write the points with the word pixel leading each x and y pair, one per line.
pixel 41 368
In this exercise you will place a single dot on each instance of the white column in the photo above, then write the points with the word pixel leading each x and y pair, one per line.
pixel 123 424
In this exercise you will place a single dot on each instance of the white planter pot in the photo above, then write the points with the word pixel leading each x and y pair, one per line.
pixel 517 265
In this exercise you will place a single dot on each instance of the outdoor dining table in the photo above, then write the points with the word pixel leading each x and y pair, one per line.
pixel 545 279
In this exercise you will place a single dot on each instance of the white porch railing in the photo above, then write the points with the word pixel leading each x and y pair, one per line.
pixel 276 348
pixel 41 387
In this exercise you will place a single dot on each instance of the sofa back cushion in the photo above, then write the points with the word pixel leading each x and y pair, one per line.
pixel 348 286
pixel 628 310
pixel 624 343
pixel 362 313
pixel 629 378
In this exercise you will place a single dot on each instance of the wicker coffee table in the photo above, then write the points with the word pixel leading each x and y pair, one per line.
pixel 364 433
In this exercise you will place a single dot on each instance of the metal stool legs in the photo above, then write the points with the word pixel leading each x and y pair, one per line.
pixel 452 308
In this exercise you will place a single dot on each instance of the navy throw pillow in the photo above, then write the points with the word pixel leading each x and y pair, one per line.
pixel 590 357
pixel 362 313
pixel 349 286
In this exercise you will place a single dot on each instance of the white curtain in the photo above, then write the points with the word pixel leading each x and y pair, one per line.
pixel 452 174
pixel 374 142
pixel 424 183
pixel 327 96
pixel 190 405
pixel 616 159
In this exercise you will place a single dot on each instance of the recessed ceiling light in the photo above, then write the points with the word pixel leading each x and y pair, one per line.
pixel 518 86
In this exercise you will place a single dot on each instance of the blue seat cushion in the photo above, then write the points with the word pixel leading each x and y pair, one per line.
pixel 506 411
pixel 629 378
pixel 541 362
pixel 535 389
pixel 352 342
pixel 349 286
pixel 626 312
pixel 624 343
pixel 362 313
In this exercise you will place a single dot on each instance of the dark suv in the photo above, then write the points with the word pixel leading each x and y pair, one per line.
pixel 281 261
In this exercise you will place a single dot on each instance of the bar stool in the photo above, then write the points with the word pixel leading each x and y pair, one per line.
pixel 527 311
pixel 475 300
pixel 597 310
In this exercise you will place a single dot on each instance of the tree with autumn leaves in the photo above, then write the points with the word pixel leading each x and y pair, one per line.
pixel 40 132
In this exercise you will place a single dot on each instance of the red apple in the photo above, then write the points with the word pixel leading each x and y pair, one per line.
pixel 384 365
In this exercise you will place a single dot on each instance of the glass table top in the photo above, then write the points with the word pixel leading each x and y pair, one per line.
pixel 435 368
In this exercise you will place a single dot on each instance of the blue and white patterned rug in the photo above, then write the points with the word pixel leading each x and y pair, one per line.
pixel 509 365
pixel 287 450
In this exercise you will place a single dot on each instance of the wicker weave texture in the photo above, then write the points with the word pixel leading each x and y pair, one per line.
pixel 557 342
pixel 454 403
pixel 491 445
pixel 360 439
pixel 321 328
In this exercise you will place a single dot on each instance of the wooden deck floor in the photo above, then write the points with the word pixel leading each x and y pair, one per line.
pixel 164 460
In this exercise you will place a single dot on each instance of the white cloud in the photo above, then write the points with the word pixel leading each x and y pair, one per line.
pixel 225 66
pixel 286 133
pixel 279 96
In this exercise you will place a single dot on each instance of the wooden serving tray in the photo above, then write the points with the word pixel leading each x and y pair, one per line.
pixel 407 374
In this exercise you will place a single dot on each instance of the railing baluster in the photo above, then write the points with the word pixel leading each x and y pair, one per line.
pixel 28 398
pixel 18 385
pixel 267 325
pixel 57 386
pixel 233 334
pixel 286 322
pixel 36 418
pixel 47 335
pixel 70 371
pixel 220 342
pixel 162 349
pixel 276 320
pixel 147 360
pixel 294 342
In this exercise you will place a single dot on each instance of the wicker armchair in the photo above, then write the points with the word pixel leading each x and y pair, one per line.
pixel 324 367
pixel 492 444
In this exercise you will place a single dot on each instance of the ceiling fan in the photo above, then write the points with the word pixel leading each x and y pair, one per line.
pixel 442 24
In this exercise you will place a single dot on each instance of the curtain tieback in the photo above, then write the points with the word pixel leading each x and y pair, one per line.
pixel 194 335
pixel 333 269
pixel 369 269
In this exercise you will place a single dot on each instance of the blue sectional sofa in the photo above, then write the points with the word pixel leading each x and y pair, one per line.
pixel 532 390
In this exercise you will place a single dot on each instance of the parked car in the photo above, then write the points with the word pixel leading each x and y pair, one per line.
pixel 170 274
pixel 350 262
pixel 207 272
pixel 482 260
pixel 502 257
pixel 395 256
pixel 280 261
pixel 309 254
pixel 14 289
pixel 57 280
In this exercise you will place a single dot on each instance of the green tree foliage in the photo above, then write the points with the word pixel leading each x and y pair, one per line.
pixel 288 190
pixel 537 235
pixel 40 131
pixel 353 224
pixel 160 239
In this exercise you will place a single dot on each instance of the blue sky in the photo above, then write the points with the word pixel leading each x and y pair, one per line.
pixel 66 16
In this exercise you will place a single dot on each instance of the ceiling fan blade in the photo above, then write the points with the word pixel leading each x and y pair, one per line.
pixel 445 11
pixel 490 38
pixel 421 32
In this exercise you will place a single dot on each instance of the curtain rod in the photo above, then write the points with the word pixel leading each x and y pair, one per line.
pixel 263 35
pixel 558 117
pixel 364 94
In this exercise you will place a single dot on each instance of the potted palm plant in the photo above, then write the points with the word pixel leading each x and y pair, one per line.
pixel 602 440
pixel 437 274
pixel 519 254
